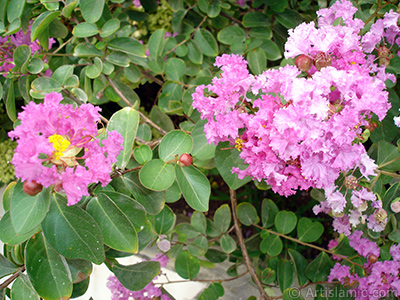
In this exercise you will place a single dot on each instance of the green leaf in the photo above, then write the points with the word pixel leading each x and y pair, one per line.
pixel 256 19
pixel 272 245
pixel 194 52
pixel 271 50
pixel 42 86
pixel 257 61
pixel 127 45
pixel 21 57
pixel 156 43
pixel 149 5
pixel 47 270
pixel 57 29
pixel 289 18
pixel 247 214
pixel 91 10
pixel 206 42
pixel 285 221
pixel 79 268
pixel 186 265
pixel 292 294
pixel 136 277
pixel 156 175
pixel 174 69
pixel 132 73
pixel 309 231
pixel 143 154
pixel 15 8
pixel 198 220
pixel 173 193
pixel 119 59
pixel 214 291
pixel 69 8
pixel 27 212
pixel 263 33
pixel 161 119
pixel 126 122
pixel 286 274
pixel 186 230
pixel 94 71
pixel 62 73
pixel 300 264
pixel 109 28
pixel 153 202
pixel 227 243
pixel 231 35
pixel 7 195
pixel 268 212
pixel 23 289
pixel 85 30
pixel 216 256
pixel 194 186
pixel 10 100
pixel 87 50
pixel 201 148
pixel 14 26
pixel 6 266
pixel 72 232
pixel 222 218
pixel 35 65
pixel 118 231
pixel 319 268
pixel 174 144
pixel 8 234
pixel 42 22
pixel 164 221
pixel 198 247
pixel 387 153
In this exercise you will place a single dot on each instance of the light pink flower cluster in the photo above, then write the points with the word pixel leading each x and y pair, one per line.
pixel 119 292
pixel 9 43
pixel 378 277
pixel 57 145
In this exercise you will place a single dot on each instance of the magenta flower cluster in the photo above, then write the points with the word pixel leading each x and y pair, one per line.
pixel 298 132
pixel 119 292
pixel 9 43
pixel 378 279
pixel 57 146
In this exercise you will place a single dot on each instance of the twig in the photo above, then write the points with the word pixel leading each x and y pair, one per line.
pixel 146 119
pixel 246 256
pixel 308 245
pixel 231 18
pixel 12 278
pixel 155 79
pixel 376 12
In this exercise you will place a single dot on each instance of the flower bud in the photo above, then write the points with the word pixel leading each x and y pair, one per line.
pixel 32 188
pixel 395 205
pixel 384 55
pixel 322 60
pixel 372 259
pixel 303 62
pixel 185 160
pixel 351 182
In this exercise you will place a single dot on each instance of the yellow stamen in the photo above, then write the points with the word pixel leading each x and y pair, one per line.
pixel 239 144
pixel 60 144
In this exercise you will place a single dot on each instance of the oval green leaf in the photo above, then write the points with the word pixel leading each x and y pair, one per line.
pixel 222 218
pixel 206 42
pixel 309 231
pixel 143 154
pixel 285 221
pixel 92 10
pixel 186 265
pixel 247 214
pixel 136 277
pixel 85 30
pixel 156 175
pixel 174 144
pixel 109 28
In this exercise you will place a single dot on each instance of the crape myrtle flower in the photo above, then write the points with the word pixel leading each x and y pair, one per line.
pixel 57 146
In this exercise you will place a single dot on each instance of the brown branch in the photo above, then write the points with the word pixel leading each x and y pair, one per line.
pixel 155 79
pixel 263 294
pixel 12 278
pixel 146 119
pixel 231 18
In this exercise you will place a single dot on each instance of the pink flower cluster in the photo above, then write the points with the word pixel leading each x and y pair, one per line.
pixel 57 146
pixel 9 43
pixel 119 292
pixel 299 132
pixel 378 278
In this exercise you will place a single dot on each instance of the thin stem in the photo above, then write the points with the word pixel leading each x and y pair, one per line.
pixel 263 294
pixel 146 119
pixel 308 245
pixel 231 18
pixel 204 280
pixel 389 173
pixel 389 162
pixel 155 79
pixel 12 278
pixel 376 12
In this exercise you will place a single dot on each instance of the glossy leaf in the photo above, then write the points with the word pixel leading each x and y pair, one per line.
pixel 21 57
pixel 214 291
pixel 222 218
pixel 126 122
pixel 199 221
pixel 94 71
pixel 268 212
pixel 309 231
pixel 6 266
pixel 127 45
pixel 319 268
pixel 47 270
pixel 228 244
pixel 42 86
pixel 109 28
pixel 10 100
pixel 247 214
pixel 72 232
pixel 156 175
pixel 135 277
pixel 118 231
pixel 23 289
pixel 206 42
pixel 289 18
pixel 194 53
pixel 286 275
pixel 201 148
pixel 164 221
pixel 230 35
pixel 285 221
pixel 85 29
pixel 256 19
pixel 8 234
pixel 156 43
pixel 174 69
pixel 272 245
pixel 42 22
pixel 87 50
pixel 15 9
pixel 198 247
pixel 143 154
pixel 194 186
pixel 27 212
pixel 174 144
pixel 92 10
pixel 300 264
pixel 186 265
